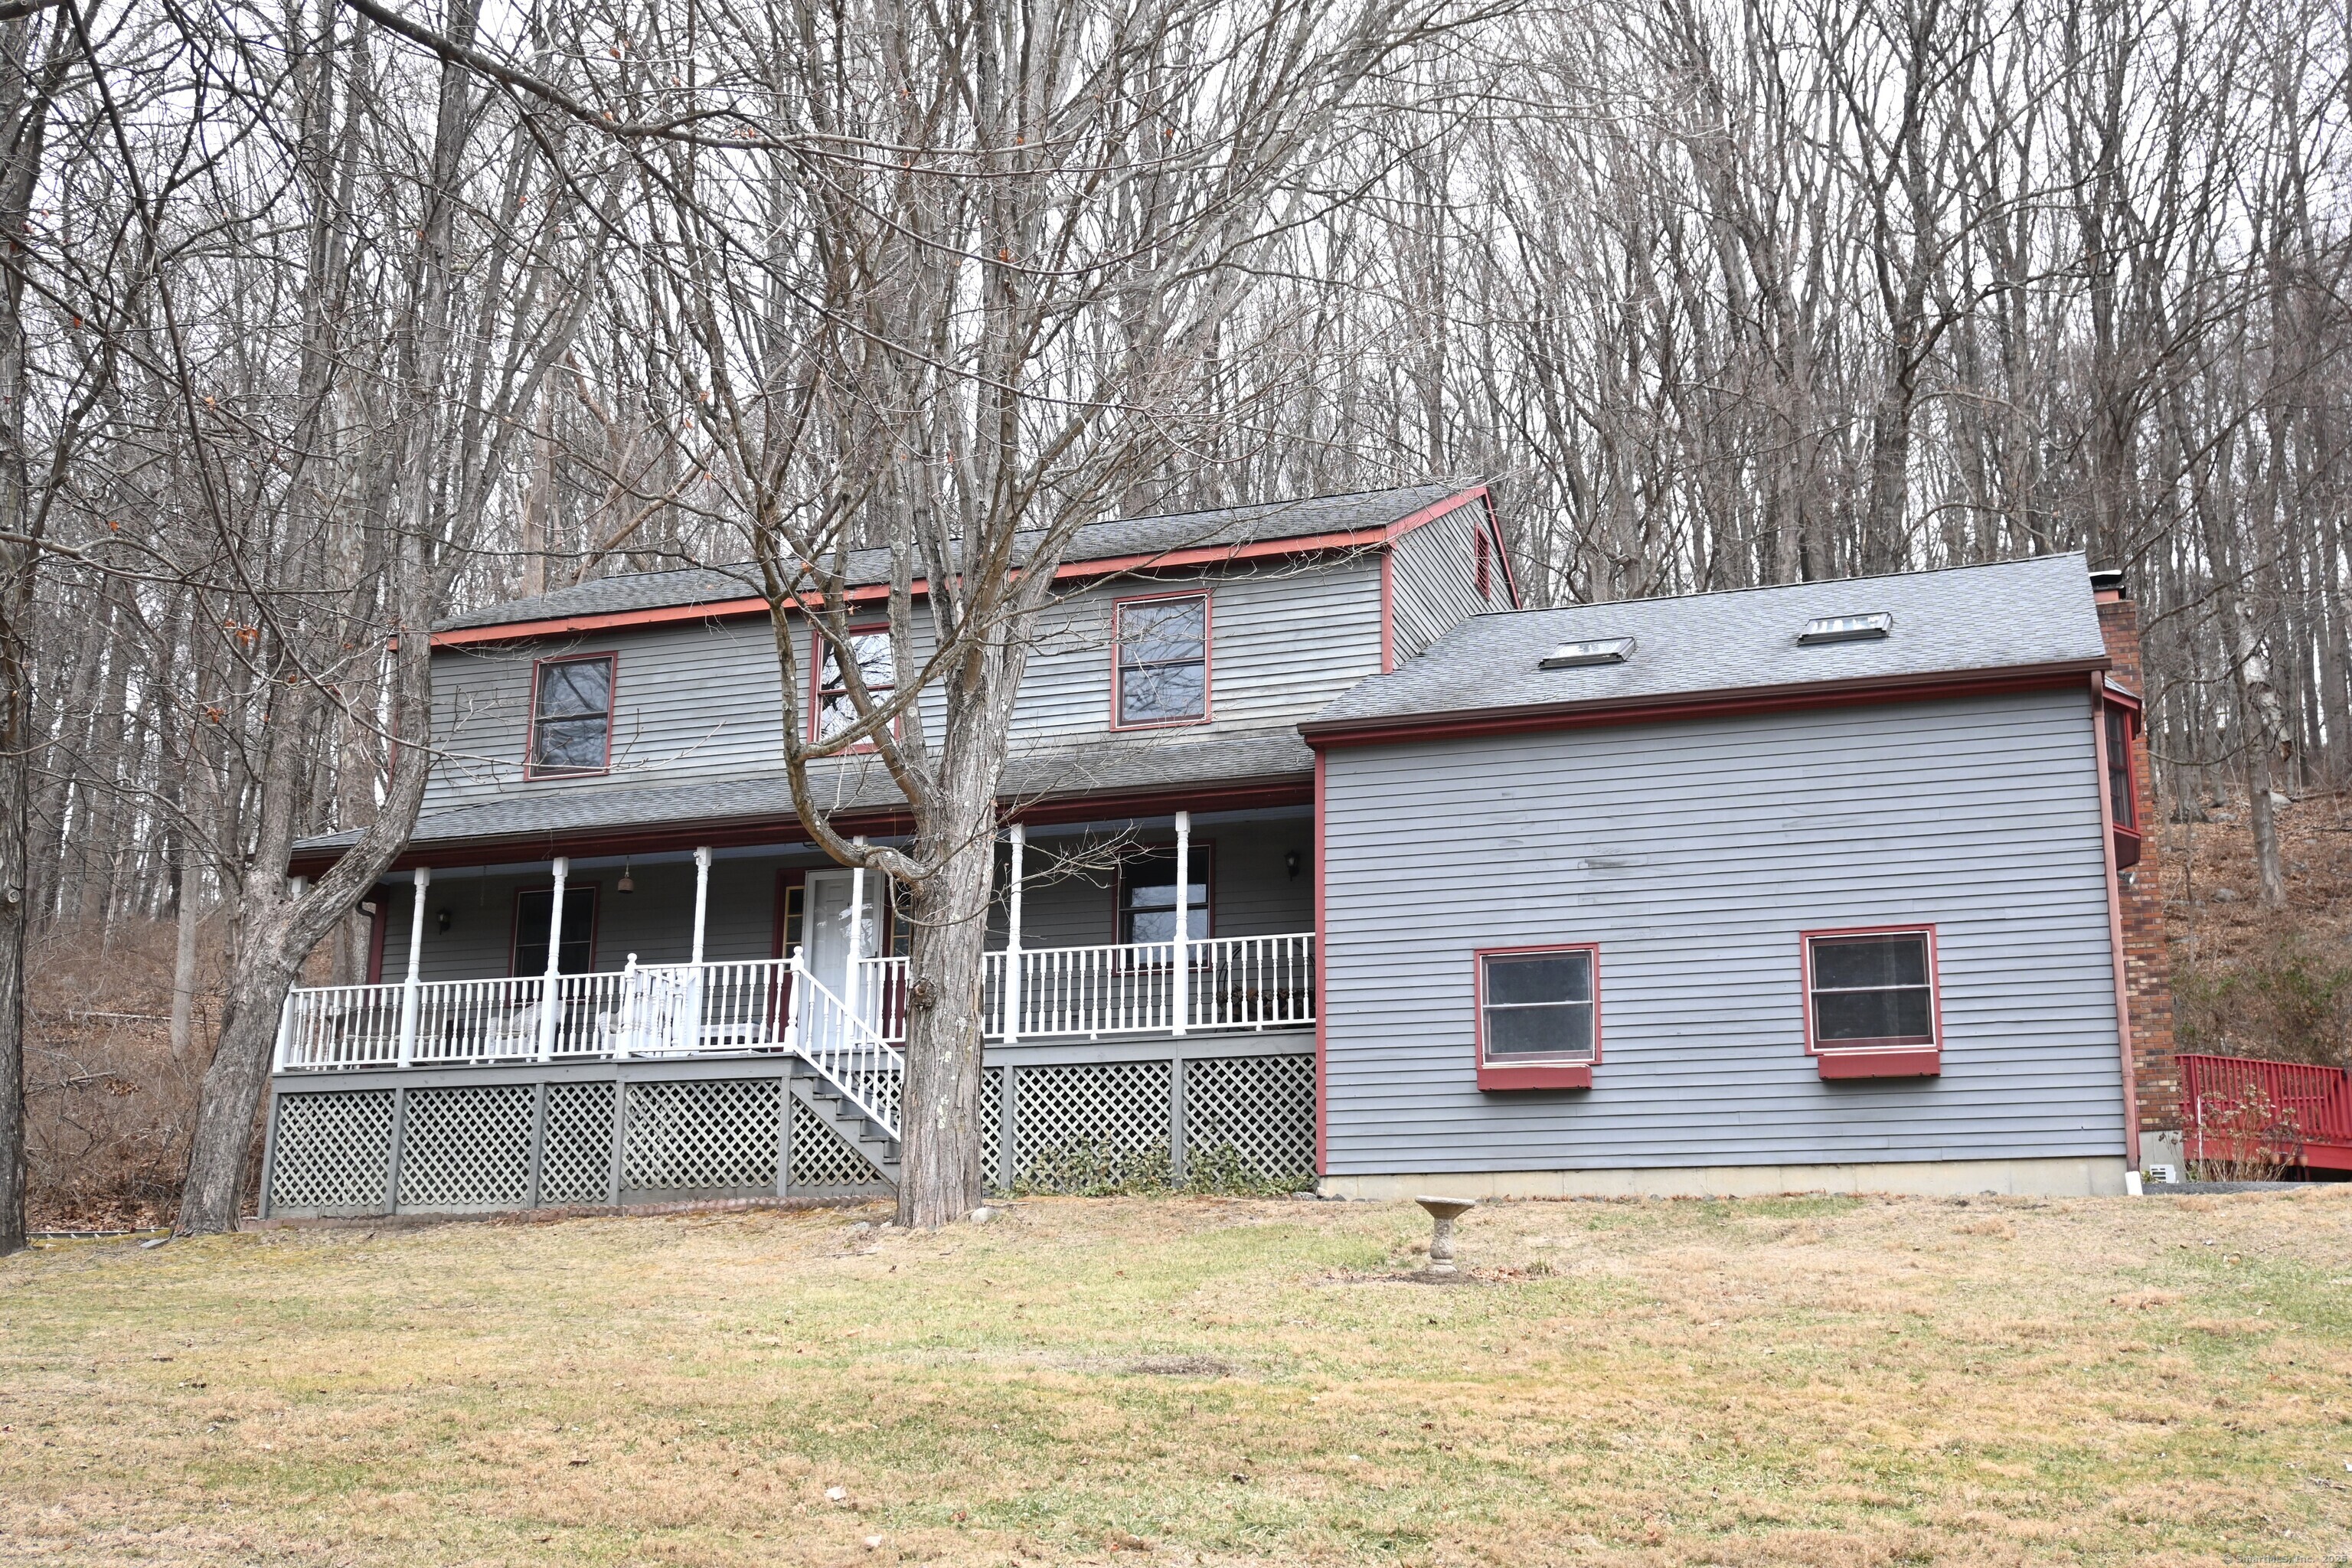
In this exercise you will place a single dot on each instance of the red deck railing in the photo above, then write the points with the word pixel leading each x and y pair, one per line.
pixel 2248 1113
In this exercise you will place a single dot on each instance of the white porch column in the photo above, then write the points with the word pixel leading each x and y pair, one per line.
pixel 548 998
pixel 851 973
pixel 1011 1032
pixel 1183 918
pixel 410 990
pixel 689 1012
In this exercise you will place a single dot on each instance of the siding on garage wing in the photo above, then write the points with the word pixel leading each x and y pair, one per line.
pixel 1695 854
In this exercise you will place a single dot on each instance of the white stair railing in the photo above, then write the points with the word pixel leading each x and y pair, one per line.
pixel 845 1048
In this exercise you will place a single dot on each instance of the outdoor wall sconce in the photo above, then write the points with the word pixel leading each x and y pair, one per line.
pixel 1290 863
pixel 441 921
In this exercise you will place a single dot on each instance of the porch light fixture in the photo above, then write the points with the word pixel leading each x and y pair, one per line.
pixel 1290 863
pixel 441 921
pixel 1845 628
pixel 1602 650
pixel 628 884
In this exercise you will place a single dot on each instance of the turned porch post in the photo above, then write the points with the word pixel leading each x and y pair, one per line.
pixel 702 896
pixel 850 973
pixel 1012 998
pixel 548 998
pixel 689 1011
pixel 1183 918
pixel 409 990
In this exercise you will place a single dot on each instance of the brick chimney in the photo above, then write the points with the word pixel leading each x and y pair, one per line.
pixel 2148 965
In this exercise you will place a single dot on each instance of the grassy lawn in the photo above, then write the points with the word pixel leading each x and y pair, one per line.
pixel 1807 1381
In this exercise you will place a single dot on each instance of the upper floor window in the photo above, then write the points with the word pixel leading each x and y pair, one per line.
pixel 2121 798
pixel 1870 1001
pixel 871 647
pixel 571 716
pixel 1163 675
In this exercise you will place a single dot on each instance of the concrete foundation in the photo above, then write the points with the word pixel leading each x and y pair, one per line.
pixel 2097 1177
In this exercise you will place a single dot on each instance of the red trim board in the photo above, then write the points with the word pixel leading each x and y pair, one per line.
pixel 2115 926
pixel 1322 991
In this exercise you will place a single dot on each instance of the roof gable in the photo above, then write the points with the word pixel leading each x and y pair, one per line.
pixel 1133 543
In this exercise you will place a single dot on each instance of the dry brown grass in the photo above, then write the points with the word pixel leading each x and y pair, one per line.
pixel 1815 1381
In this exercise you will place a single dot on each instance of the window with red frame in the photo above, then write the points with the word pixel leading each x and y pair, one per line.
pixel 571 716
pixel 1870 991
pixel 1163 661
pixel 1538 1008
pixel 1485 572
pixel 835 709
pixel 2122 800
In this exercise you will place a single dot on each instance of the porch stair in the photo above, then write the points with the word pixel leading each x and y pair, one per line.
pixel 842 1116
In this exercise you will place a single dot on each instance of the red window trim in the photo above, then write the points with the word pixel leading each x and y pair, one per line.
pixel 379 908
pixel 531 770
pixel 1208 659
pixel 1875 1060
pixel 514 921
pixel 1203 853
pixel 816 678
pixel 1543 1072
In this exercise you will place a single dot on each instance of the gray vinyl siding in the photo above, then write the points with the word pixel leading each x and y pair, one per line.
pixel 701 699
pixel 1695 854
pixel 1434 580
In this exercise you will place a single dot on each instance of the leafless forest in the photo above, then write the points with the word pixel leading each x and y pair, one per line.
pixel 325 320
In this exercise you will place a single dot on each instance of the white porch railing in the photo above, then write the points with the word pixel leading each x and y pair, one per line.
pixel 707 1009
pixel 642 1011
pixel 1125 988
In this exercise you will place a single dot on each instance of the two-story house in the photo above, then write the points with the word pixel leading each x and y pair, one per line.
pixel 1322 859
pixel 612 751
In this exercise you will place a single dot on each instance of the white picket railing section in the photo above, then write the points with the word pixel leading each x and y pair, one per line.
pixel 643 1010
pixel 776 1005
pixel 1124 988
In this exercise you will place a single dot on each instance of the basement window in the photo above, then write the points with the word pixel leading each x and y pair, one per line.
pixel 1846 628
pixel 1599 650
pixel 1539 1016
pixel 1870 1007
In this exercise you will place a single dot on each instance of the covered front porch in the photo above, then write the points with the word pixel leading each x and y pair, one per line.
pixel 762 949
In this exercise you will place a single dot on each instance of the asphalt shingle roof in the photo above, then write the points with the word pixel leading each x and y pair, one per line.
pixel 2009 616
pixel 544 816
pixel 1096 542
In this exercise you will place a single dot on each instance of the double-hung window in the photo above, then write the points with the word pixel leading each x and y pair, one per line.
pixel 572 716
pixel 835 711
pixel 2123 793
pixel 1538 1017
pixel 1148 896
pixel 1870 1002
pixel 576 948
pixel 1163 672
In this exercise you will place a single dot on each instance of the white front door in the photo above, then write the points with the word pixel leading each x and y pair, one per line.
pixel 829 941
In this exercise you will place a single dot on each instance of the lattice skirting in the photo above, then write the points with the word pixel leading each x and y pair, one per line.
pixel 1212 1122
pixel 1243 1122
pixel 481 1148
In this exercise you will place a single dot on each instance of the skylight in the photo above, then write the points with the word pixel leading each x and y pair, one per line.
pixel 1846 628
pixel 1600 650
